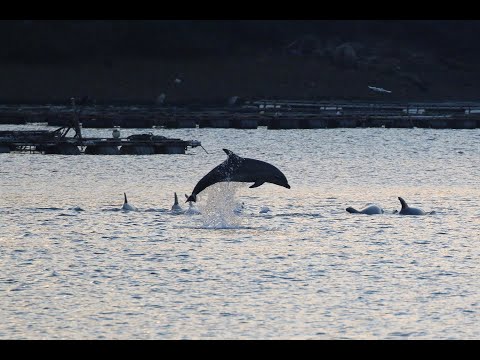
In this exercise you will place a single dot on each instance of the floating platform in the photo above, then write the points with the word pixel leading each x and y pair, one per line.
pixel 51 142
pixel 273 114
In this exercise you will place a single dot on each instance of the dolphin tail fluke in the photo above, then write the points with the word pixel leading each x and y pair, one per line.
pixel 192 197
pixel 351 210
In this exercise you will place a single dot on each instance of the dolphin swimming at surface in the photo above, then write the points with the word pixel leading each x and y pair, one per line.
pixel 369 210
pixel 239 169
pixel 176 207
pixel 126 205
pixel 407 210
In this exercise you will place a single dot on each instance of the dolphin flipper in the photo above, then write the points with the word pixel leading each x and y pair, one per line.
pixel 257 184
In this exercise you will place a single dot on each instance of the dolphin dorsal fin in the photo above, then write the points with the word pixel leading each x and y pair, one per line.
pixel 230 153
pixel 403 202
pixel 176 199
pixel 125 197
pixel 233 159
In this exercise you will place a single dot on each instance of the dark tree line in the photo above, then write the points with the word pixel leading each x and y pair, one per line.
pixel 56 41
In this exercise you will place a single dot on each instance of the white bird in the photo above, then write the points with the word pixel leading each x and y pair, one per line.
pixel 126 205
pixel 176 207
pixel 377 89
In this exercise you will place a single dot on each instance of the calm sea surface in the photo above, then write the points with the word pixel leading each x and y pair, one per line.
pixel 293 264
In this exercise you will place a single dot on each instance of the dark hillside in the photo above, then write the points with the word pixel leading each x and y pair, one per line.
pixel 137 60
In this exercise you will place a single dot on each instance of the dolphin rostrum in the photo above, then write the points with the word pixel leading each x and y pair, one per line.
pixel 239 169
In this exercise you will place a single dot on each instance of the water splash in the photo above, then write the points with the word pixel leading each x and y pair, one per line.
pixel 218 206
pixel 192 210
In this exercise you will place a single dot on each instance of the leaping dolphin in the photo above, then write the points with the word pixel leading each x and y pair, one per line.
pixel 239 169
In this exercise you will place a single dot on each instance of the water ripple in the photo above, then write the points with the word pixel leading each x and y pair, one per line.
pixel 74 265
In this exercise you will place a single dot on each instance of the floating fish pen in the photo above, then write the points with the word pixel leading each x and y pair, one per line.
pixel 57 142
pixel 273 114
pixel 292 121
pixel 52 142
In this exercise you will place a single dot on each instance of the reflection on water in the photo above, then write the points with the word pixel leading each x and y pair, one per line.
pixel 267 262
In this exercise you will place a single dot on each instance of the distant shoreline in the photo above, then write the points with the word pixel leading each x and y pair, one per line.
pixel 214 80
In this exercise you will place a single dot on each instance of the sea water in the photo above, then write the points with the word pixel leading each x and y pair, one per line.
pixel 73 265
